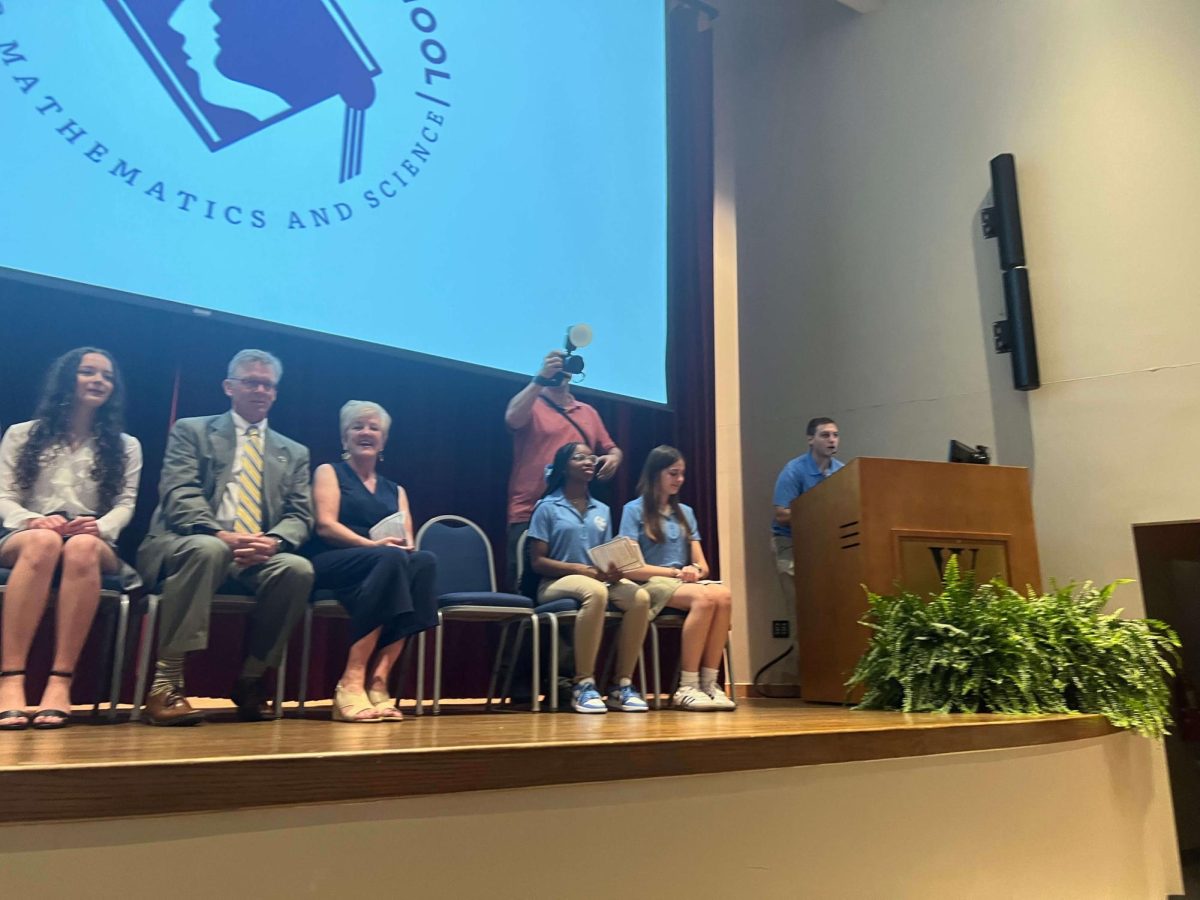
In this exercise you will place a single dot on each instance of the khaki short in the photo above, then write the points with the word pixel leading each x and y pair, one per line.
pixel 661 589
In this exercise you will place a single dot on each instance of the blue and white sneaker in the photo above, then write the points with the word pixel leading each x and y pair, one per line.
pixel 625 698
pixel 586 699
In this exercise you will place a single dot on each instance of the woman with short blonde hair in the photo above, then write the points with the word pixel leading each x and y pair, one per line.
pixel 364 552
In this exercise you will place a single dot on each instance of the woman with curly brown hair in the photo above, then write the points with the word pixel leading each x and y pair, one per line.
pixel 68 482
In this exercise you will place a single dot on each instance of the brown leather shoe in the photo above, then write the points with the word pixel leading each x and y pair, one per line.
pixel 168 706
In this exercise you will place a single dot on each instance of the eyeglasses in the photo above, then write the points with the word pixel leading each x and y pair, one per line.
pixel 584 457
pixel 254 384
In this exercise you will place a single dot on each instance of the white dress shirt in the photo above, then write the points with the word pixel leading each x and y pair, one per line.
pixel 65 484
pixel 229 500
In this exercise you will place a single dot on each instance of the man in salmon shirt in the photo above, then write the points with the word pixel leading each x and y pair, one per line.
pixel 543 416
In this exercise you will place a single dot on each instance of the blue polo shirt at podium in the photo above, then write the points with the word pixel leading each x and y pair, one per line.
pixel 799 475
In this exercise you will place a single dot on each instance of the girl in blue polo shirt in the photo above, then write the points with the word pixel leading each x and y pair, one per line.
pixel 670 540
pixel 567 522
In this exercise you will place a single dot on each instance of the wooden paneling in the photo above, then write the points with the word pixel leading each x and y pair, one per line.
pixel 129 770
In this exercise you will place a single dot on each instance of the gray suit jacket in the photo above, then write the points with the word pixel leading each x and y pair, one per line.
pixel 196 470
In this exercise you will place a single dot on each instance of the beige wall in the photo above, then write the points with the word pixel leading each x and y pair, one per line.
pixel 1004 823
pixel 852 161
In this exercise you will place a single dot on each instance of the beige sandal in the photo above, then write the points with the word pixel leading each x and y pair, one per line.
pixel 388 711
pixel 353 706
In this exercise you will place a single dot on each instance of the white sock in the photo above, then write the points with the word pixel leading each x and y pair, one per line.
pixel 585 680
pixel 689 679
pixel 708 677
pixel 621 682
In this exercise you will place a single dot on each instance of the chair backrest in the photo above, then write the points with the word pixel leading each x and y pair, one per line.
pixel 464 554
pixel 527 579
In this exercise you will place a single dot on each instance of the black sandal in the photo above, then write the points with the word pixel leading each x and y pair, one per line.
pixel 20 714
pixel 57 718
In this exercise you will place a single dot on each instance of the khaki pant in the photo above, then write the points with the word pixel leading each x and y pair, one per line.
pixel 785 568
pixel 199 564
pixel 594 597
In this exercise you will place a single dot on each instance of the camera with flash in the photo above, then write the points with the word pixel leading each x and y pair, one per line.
pixel 578 336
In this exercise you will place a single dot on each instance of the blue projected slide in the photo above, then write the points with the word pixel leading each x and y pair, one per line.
pixel 461 178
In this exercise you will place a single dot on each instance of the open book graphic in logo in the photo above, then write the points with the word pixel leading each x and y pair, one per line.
pixel 235 67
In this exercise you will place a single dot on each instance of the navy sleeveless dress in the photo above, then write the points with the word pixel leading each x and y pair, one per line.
pixel 380 587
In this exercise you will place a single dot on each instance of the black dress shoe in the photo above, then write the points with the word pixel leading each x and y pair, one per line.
pixel 249 695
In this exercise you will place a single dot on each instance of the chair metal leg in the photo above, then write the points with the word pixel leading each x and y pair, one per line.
pixel 419 710
pixel 515 654
pixel 553 662
pixel 729 669
pixel 437 665
pixel 305 657
pixel 535 686
pixel 118 659
pixel 145 651
pixel 280 679
pixel 108 612
pixel 419 698
pixel 606 676
pixel 642 669
pixel 656 662
pixel 496 667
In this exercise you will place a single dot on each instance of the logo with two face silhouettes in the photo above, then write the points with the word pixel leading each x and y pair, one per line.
pixel 237 67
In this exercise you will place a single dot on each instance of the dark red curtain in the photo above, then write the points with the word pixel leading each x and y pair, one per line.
pixel 690 369
pixel 448 445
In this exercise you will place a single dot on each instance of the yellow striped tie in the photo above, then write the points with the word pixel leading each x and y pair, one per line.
pixel 248 519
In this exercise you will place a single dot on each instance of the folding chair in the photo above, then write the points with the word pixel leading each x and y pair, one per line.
pixel 114 607
pixel 324 605
pixel 466 587
pixel 670 617
pixel 555 612
pixel 232 597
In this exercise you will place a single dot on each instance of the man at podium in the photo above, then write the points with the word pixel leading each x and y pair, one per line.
pixel 801 474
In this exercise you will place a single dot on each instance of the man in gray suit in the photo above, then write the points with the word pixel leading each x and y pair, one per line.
pixel 234 502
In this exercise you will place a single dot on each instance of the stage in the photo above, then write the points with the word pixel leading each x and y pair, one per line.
pixel 224 765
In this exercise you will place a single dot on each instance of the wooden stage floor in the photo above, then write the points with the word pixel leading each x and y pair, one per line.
pixel 102 771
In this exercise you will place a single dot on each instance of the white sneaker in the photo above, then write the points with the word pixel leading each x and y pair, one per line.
pixel 586 699
pixel 719 698
pixel 691 698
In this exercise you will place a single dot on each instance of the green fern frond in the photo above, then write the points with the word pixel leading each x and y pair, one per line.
pixel 987 647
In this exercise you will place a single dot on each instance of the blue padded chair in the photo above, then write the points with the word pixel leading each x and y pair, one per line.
pixel 466 589
pixel 324 605
pixel 670 617
pixel 231 597
pixel 114 606
pixel 555 612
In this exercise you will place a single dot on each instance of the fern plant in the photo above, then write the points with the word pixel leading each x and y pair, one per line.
pixel 988 648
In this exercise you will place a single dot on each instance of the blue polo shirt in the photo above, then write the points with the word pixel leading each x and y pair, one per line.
pixel 570 535
pixel 800 475
pixel 675 551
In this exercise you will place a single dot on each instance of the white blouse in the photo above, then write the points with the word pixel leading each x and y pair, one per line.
pixel 65 484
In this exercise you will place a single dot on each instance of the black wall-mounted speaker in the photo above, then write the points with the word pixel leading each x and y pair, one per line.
pixel 1002 220
pixel 1022 342
pixel 1007 212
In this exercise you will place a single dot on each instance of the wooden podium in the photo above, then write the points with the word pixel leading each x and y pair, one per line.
pixel 883 522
